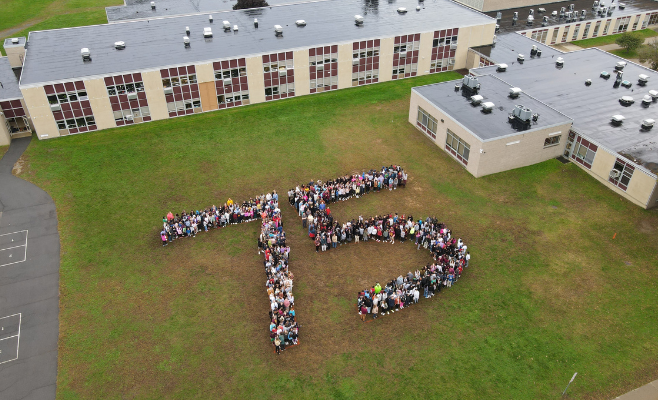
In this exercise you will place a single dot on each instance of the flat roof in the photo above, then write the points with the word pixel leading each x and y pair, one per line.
pixel 8 42
pixel 591 107
pixel 507 25
pixel 54 55
pixel 494 125
pixel 9 89
pixel 142 9
pixel 509 45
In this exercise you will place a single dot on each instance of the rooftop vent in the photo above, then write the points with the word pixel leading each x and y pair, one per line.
pixel 255 22
pixel 207 32
pixel 533 50
pixel 520 58
pixel 588 82
pixel 541 10
pixel 497 28
pixel 358 19
pixel 402 10
pixel 278 30
pixel 646 100
pixel 515 16
pixel 642 79
pixel 617 119
pixel 86 54
pixel 14 40
pixel 477 99
pixel 648 124
pixel 487 107
pixel 554 14
pixel 531 19
pixel 559 62
pixel 120 45
pixel 153 5
pixel 210 18
pixel 417 8
pixel 186 41
pixel 620 65
pixel 300 22
pixel 605 75
pixel 653 94
pixel 626 100
pixel 515 92
pixel 235 28
pixel 187 30
pixel 226 25
pixel 501 68
pixel 622 6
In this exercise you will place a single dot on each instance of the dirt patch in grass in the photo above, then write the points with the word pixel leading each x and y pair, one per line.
pixel 645 226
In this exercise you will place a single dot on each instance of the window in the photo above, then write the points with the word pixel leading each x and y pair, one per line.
pixel 323 68
pixel 653 19
pixel 586 31
pixel 621 174
pixel 127 94
pixel 606 27
pixel 539 35
pixel 457 147
pixel 584 152
pixel 231 84
pixel 70 107
pixel 552 141
pixel 554 38
pixel 575 32
pixel 179 80
pixel 621 25
pixel 596 28
pixel 15 116
pixel 365 62
pixel 427 123
pixel 405 56
pixel 565 33
pixel 181 89
pixel 443 50
pixel 279 76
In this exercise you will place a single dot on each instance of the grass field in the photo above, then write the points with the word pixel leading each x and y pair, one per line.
pixel 610 39
pixel 3 150
pixel 549 292
pixel 19 17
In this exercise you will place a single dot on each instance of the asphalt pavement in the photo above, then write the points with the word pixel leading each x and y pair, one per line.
pixel 29 285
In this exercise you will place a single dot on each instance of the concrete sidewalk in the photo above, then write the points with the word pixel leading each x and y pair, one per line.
pixel 646 392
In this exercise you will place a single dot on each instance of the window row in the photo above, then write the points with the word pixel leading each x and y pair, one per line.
pixel 64 87
pixel 442 63
pixel 402 71
pixel 366 53
pixel 62 98
pixel 230 73
pixel 131 115
pixel 323 59
pixel 227 98
pixel 427 122
pixel 324 82
pixel 458 147
pixel 179 80
pixel 127 88
pixel 401 48
pixel 280 89
pixel 183 105
pixel 363 75
pixel 621 174
pixel 552 141
pixel 278 66
pixel 74 123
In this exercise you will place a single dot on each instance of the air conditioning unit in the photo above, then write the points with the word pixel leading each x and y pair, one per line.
pixel 120 45
pixel 168 90
pixel 278 30
pixel 642 79
pixel 487 107
pixel 86 54
pixel 300 22
pixel 647 100
pixel 14 40
pixel 515 92
pixel 228 81
pixel 626 100
pixel 477 99
pixel 620 65
pixel 617 119
pixel 235 28
pixel 226 25
pixel 207 32
pixel 615 174
pixel 653 94
pixel 605 75
pixel 55 107
pixel 358 19
pixel 282 72
pixel 153 5
pixel 403 54
pixel 187 30
pixel 132 96
pixel 559 62
pixel 501 68
pixel 186 41
pixel 210 19
pixel 648 124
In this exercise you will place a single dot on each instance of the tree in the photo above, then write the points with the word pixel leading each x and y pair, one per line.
pixel 242 4
pixel 629 41
pixel 649 53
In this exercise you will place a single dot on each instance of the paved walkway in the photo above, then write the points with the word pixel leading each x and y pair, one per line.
pixel 646 392
pixel 29 285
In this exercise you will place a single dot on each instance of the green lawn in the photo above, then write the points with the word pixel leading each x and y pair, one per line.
pixel 625 54
pixel 549 292
pixel 3 150
pixel 32 15
pixel 610 39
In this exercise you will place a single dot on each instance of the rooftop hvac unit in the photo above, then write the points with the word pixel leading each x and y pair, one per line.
pixel 531 12
pixel 648 124
pixel 515 92
pixel 358 19
pixel 653 94
pixel 207 32
pixel 620 65
pixel 226 25
pixel 538 52
pixel 642 79
pixel 228 81
pixel 554 14
pixel 541 10
pixel 520 57
pixel 278 30
pixel 300 22
pixel 615 174
pixel 545 18
pixel 255 22
pixel 119 45
pixel 470 82
pixel 355 61
pixel 55 107
pixel 572 7
pixel 477 99
pixel 588 82
pixel 186 41
pixel 14 40
pixel 210 18
pixel 235 28
pixel 515 16
pixel 626 100
pixel 605 75
pixel 626 84
pixel 622 6
pixel 168 90
pixel 533 51
pixel 487 107
pixel 522 113
pixel 501 68
pixel 153 5
pixel 417 8
pixel 402 10
pixel 595 5
pixel 86 54
pixel 187 30
pixel 617 119
pixel 559 62
pixel 530 19
pixel 132 96
pixel 646 100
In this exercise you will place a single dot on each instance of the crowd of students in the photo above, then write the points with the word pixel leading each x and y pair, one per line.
pixel 283 329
